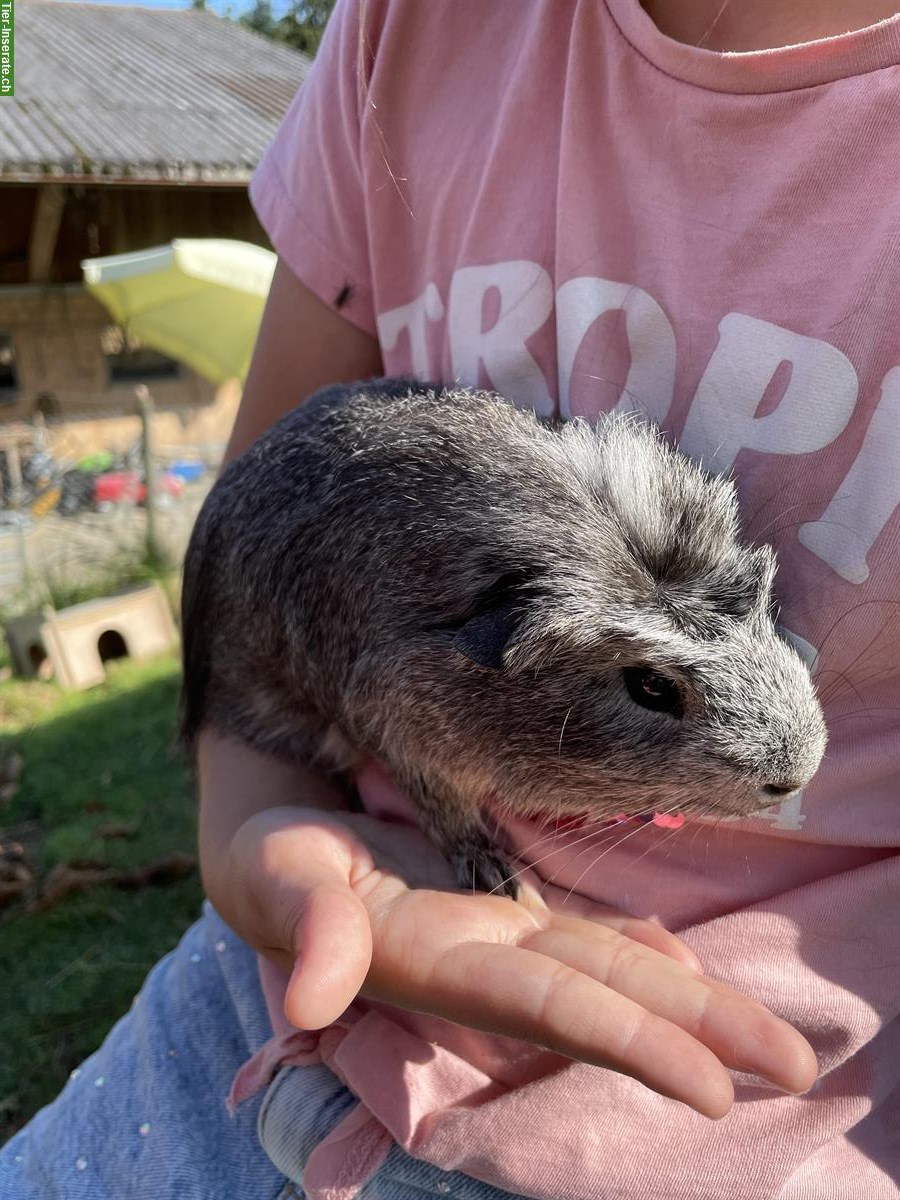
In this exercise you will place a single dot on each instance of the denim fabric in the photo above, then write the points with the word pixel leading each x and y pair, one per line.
pixel 304 1103
pixel 144 1118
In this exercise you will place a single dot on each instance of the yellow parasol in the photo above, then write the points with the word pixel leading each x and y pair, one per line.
pixel 199 300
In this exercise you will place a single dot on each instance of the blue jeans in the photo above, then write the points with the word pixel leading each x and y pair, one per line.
pixel 144 1118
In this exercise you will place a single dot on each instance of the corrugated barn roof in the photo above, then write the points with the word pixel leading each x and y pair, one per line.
pixel 141 93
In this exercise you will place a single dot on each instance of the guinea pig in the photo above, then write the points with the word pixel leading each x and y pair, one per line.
pixel 510 616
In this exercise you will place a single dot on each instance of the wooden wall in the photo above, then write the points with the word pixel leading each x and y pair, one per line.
pixel 56 337
pixel 113 219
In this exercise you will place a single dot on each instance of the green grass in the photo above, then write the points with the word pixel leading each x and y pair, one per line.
pixel 89 580
pixel 91 759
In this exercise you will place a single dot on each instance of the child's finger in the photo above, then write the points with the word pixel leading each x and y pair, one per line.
pixel 741 1033
pixel 568 907
pixel 646 933
pixel 520 993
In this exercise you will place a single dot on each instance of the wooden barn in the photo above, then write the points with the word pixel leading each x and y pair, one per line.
pixel 129 127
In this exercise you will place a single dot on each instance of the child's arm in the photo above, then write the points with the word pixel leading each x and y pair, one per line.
pixel 303 344
pixel 325 893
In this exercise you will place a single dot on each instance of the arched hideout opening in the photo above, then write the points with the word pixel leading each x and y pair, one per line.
pixel 110 645
pixel 40 663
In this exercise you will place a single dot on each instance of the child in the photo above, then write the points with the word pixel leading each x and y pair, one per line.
pixel 582 209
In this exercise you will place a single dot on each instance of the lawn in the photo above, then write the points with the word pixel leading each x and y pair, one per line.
pixel 103 785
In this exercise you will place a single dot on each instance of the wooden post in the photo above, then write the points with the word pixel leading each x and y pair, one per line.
pixel 44 231
pixel 14 467
pixel 145 407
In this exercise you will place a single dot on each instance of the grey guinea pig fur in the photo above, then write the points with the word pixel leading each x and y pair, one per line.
pixel 510 616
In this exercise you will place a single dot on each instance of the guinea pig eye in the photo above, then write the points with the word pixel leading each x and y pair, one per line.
pixel 651 690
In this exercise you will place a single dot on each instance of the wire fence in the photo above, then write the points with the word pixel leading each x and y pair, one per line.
pixel 72 525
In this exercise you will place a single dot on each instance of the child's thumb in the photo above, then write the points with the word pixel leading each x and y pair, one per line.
pixel 332 946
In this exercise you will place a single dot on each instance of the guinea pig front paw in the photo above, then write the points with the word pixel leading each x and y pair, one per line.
pixel 480 868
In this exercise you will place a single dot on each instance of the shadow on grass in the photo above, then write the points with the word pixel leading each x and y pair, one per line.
pixel 97 759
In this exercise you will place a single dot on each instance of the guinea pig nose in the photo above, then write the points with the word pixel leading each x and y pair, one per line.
pixel 779 789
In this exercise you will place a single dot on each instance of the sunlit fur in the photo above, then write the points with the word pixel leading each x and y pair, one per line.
pixel 342 571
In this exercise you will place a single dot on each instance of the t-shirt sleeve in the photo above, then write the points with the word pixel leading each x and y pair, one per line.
pixel 308 190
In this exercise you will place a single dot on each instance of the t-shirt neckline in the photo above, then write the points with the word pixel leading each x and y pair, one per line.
pixel 758 71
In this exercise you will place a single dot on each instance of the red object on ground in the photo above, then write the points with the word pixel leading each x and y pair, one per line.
pixel 117 486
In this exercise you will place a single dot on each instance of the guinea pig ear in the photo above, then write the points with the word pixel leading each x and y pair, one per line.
pixel 486 631
pixel 483 638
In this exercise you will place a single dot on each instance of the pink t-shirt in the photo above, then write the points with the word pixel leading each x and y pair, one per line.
pixel 554 199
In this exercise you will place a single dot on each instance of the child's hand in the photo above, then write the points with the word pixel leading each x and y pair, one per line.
pixel 323 896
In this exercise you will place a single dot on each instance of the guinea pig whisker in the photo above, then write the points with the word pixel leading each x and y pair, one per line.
pixel 873 677
pixel 768 501
pixel 860 657
pixel 851 686
pixel 603 855
pixel 640 405
pixel 852 611
pixel 752 518
pixel 618 841
pixel 531 863
pixel 550 824
pixel 827 693
pixel 695 835
pixel 657 845
pixel 569 845
pixel 509 878
pixel 869 711
pixel 561 734
pixel 775 533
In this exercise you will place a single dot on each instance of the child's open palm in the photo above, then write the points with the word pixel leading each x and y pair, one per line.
pixel 324 897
